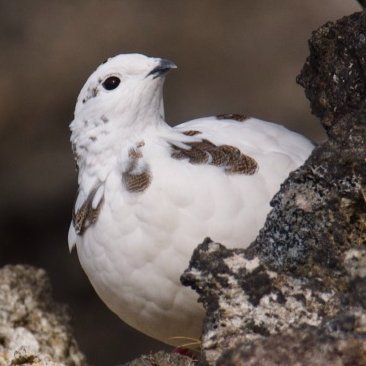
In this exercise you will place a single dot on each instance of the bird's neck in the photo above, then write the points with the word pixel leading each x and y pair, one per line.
pixel 100 144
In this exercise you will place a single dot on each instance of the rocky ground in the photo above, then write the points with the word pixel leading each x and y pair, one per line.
pixel 34 330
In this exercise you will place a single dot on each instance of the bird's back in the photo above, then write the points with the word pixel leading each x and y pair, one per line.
pixel 223 189
pixel 251 134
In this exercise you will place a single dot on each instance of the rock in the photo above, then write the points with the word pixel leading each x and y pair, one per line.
pixel 297 348
pixel 333 74
pixel 250 308
pixel 34 330
pixel 297 295
pixel 162 358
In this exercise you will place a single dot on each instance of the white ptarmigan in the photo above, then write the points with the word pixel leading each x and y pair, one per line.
pixel 149 193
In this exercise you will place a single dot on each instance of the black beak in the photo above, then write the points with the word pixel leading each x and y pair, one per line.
pixel 163 67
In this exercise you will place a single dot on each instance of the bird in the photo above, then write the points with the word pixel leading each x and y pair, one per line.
pixel 149 193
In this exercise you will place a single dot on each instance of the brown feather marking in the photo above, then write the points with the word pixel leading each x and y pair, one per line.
pixel 239 163
pixel 191 133
pixel 136 181
pixel 197 154
pixel 86 215
pixel 235 116
pixel 134 155
pixel 205 152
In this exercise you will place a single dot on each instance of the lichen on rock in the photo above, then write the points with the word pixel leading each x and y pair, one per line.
pixel 34 330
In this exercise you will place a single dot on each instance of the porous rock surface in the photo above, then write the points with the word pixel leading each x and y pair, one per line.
pixel 162 358
pixel 297 295
pixel 34 330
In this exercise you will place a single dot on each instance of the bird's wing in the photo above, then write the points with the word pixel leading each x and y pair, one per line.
pixel 252 135
pixel 198 189
pixel 85 212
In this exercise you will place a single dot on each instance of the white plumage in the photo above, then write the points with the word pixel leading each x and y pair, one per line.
pixel 145 201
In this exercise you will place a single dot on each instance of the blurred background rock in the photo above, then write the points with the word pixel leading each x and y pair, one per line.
pixel 233 56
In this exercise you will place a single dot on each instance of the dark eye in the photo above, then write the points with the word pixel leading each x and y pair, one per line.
pixel 111 83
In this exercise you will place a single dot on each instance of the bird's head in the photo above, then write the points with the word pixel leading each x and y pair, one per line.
pixel 118 101
pixel 121 99
pixel 127 85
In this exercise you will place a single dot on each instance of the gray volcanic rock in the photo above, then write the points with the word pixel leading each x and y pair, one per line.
pixel 300 348
pixel 162 358
pixel 34 330
pixel 297 295
pixel 253 311
pixel 333 74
